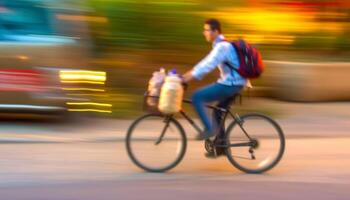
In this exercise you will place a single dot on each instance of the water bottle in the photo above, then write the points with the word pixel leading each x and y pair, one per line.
pixel 171 94
pixel 154 86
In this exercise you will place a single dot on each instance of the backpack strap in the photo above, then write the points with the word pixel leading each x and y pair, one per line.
pixel 226 62
pixel 230 66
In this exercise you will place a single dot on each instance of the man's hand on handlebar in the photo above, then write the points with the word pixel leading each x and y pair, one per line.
pixel 184 83
pixel 187 77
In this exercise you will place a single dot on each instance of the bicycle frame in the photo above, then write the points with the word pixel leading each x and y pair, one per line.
pixel 226 112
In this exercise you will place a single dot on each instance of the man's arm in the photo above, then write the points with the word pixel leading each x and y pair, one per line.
pixel 187 77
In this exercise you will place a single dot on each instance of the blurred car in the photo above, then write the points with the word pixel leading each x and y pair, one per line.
pixel 37 40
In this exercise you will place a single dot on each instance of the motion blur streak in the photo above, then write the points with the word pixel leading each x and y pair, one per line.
pixel 89 103
pixel 83 75
pixel 84 89
pixel 18 106
pixel 89 82
pixel 89 110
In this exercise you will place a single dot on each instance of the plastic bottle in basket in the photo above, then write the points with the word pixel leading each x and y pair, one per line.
pixel 171 95
pixel 154 86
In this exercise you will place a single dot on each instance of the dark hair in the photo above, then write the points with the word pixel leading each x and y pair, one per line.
pixel 214 24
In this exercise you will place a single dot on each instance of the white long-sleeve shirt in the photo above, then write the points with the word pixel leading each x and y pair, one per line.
pixel 222 52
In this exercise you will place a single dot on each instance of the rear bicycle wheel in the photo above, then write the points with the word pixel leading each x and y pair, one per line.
pixel 266 148
pixel 156 143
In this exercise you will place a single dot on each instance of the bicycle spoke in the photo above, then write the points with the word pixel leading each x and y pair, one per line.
pixel 163 133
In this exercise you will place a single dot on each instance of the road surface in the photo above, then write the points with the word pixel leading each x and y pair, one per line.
pixel 311 168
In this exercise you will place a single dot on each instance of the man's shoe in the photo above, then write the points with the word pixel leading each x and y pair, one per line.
pixel 219 152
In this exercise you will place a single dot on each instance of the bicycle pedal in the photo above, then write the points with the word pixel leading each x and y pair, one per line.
pixel 251 151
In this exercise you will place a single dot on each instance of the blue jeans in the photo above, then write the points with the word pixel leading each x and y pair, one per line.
pixel 213 93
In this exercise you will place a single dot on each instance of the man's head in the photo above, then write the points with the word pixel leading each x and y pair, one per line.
pixel 212 29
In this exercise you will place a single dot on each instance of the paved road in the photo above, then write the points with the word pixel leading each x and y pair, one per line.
pixel 312 168
pixel 87 160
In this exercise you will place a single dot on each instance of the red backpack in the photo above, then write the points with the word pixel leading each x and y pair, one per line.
pixel 251 65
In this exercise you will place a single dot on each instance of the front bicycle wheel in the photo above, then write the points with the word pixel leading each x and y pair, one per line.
pixel 266 143
pixel 156 143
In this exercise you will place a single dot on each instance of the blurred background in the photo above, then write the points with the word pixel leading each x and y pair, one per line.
pixel 95 57
pixel 73 74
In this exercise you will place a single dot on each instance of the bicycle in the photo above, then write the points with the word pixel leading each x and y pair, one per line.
pixel 244 149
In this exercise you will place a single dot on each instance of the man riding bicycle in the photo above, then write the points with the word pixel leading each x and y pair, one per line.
pixel 223 56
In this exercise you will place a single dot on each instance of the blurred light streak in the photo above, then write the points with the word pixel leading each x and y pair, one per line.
pixel 88 82
pixel 93 95
pixel 89 110
pixel 22 80
pixel 35 107
pixel 84 89
pixel 82 75
pixel 90 103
